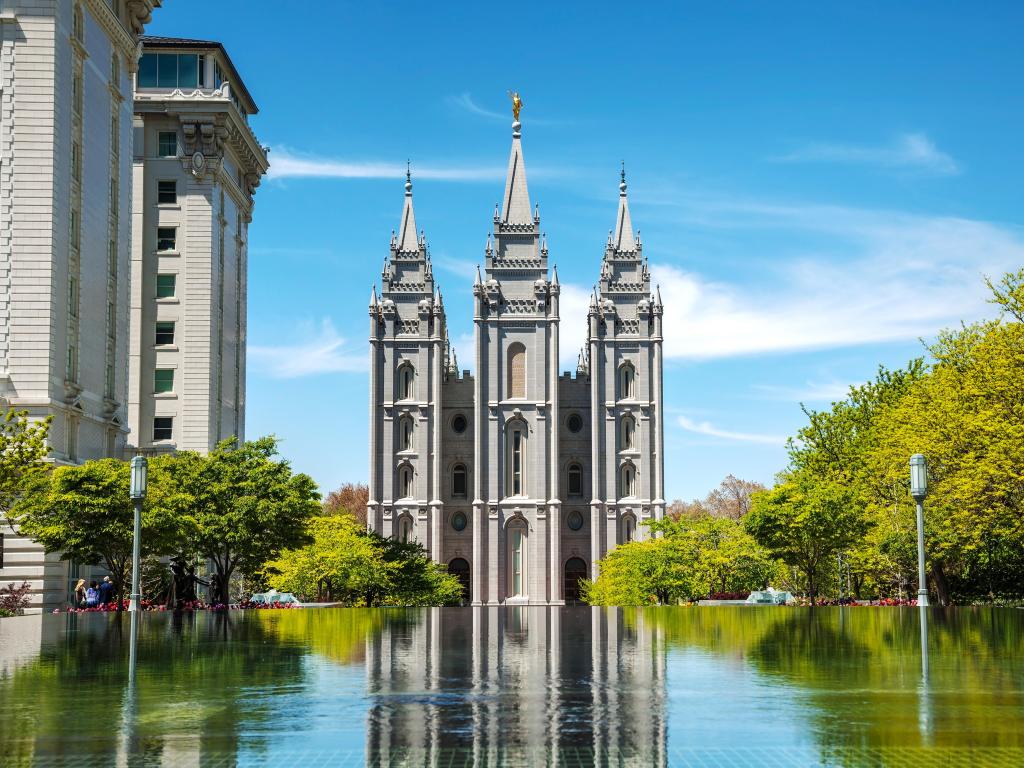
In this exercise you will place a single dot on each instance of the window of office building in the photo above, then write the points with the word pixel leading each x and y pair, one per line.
pixel 168 143
pixel 163 428
pixel 166 238
pixel 165 286
pixel 164 333
pixel 163 380
pixel 167 192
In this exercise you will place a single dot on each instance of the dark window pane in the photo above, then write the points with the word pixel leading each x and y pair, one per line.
pixel 165 238
pixel 163 427
pixel 163 380
pixel 202 71
pixel 167 192
pixel 188 72
pixel 168 144
pixel 164 332
pixel 147 71
pixel 459 481
pixel 165 286
pixel 167 70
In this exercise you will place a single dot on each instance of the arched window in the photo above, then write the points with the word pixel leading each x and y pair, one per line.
pixel 406 382
pixel 516 371
pixel 628 474
pixel 628 529
pixel 405 434
pixel 459 484
pixel 405 481
pixel 628 433
pixel 515 459
pixel 575 480
pixel 404 528
pixel 517 559
pixel 575 572
pixel 627 382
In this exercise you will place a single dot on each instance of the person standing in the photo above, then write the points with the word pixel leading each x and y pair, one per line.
pixel 106 591
pixel 79 598
pixel 92 595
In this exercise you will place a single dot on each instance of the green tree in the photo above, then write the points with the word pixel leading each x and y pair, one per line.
pixel 22 452
pixel 693 557
pixel 344 563
pixel 85 513
pixel 238 506
pixel 806 521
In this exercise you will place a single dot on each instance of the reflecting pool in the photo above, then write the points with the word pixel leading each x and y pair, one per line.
pixel 516 686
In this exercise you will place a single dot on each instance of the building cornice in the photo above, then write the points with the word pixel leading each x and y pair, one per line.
pixel 104 16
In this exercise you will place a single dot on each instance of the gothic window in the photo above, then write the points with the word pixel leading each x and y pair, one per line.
pixel 517 559
pixel 406 382
pixel 628 434
pixel 575 480
pixel 405 437
pixel 405 481
pixel 574 520
pixel 574 423
pixel 628 484
pixel 404 528
pixel 516 459
pixel 459 480
pixel 516 371
pixel 627 382
pixel 459 424
pixel 628 529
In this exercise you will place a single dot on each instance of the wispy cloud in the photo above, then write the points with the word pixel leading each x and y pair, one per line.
pixel 909 152
pixel 873 276
pixel 318 349
pixel 287 164
pixel 707 428
pixel 809 392
pixel 465 102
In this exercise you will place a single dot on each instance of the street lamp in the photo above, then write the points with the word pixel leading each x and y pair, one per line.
pixel 139 469
pixel 919 489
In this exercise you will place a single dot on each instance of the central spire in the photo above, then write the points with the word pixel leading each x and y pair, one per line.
pixel 407 234
pixel 623 239
pixel 515 207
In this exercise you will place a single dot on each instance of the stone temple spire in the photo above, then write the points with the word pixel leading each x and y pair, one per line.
pixel 407 241
pixel 515 208
pixel 623 239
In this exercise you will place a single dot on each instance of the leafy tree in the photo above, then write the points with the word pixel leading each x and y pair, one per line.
pixel 805 522
pixel 732 498
pixel 85 513
pixel 350 498
pixel 238 506
pixel 347 564
pixel 694 557
pixel 22 452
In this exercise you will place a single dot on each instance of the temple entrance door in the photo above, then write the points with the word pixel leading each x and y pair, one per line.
pixel 575 570
pixel 459 568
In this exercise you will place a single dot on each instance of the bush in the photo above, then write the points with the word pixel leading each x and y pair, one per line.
pixel 14 600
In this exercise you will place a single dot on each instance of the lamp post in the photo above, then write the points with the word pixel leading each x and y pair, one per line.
pixel 919 489
pixel 138 493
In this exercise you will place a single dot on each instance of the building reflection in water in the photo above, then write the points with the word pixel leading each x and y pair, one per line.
pixel 536 685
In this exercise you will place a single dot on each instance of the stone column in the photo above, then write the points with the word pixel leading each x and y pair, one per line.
pixel 659 423
pixel 596 409
pixel 479 507
pixel 374 478
pixel 555 595
pixel 436 505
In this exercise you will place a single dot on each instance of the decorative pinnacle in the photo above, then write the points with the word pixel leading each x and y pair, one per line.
pixel 408 177
pixel 622 177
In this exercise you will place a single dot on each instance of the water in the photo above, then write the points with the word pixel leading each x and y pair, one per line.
pixel 519 686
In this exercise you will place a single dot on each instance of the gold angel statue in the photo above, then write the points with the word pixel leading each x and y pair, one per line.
pixel 517 104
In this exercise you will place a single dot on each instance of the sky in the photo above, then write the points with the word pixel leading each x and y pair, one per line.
pixel 820 187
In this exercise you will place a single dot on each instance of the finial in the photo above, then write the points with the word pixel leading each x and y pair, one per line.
pixel 554 275
pixel 536 211
pixel 408 177
pixel 622 177
pixel 478 281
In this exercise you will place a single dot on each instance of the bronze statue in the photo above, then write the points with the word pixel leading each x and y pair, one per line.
pixel 517 104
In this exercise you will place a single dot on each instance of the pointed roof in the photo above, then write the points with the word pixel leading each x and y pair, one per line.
pixel 623 239
pixel 515 207
pixel 407 233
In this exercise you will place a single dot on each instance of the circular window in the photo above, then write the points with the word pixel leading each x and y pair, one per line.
pixel 574 422
pixel 459 424
pixel 459 521
pixel 574 520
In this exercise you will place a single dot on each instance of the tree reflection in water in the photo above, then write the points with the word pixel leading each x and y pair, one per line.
pixel 536 686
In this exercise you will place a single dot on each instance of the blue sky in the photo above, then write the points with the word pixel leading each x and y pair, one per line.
pixel 819 187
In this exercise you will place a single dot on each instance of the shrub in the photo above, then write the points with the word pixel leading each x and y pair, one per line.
pixel 14 600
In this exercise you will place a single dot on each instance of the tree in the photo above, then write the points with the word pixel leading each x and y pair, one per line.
pixel 85 513
pixel 345 563
pixel 22 452
pixel 693 557
pixel 350 498
pixel 239 506
pixel 806 521
pixel 731 498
